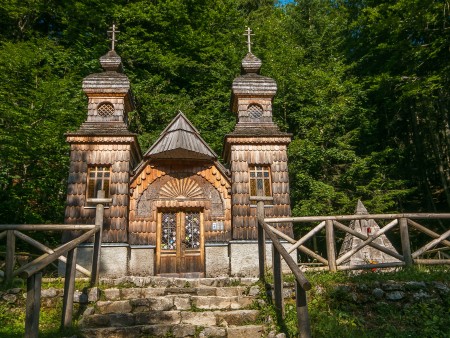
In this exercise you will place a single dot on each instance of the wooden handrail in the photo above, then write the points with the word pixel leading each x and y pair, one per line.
pixel 41 262
pixel 354 217
pixel 46 227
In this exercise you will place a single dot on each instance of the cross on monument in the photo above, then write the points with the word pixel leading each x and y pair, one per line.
pixel 248 32
pixel 113 32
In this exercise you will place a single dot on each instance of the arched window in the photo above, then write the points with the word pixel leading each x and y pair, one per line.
pixel 105 109
pixel 255 111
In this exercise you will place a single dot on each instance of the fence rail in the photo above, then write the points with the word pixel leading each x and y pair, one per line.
pixel 32 271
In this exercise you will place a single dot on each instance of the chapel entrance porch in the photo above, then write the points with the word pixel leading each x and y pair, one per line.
pixel 180 243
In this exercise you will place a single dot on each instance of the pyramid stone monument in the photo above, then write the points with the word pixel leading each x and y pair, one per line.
pixel 368 254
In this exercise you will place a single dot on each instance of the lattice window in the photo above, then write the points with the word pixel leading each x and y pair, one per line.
pixel 169 231
pixel 98 179
pixel 255 111
pixel 260 184
pixel 192 230
pixel 105 109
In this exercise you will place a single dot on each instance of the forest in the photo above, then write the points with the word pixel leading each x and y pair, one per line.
pixel 363 86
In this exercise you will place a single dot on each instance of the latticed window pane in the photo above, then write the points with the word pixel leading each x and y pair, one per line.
pixel 192 230
pixel 98 179
pixel 255 111
pixel 105 109
pixel 260 184
pixel 169 231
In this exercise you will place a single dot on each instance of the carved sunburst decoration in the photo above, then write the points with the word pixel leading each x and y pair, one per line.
pixel 181 188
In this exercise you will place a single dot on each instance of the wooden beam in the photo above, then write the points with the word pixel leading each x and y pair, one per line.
pixel 10 258
pixel 406 245
pixel 301 248
pixel 305 238
pixel 432 261
pixel 46 227
pixel 331 249
pixel 355 233
pixel 304 327
pixel 96 256
pixel 69 288
pixel 427 231
pixel 46 249
pixel 41 262
pixel 277 280
pixel 261 240
pixel 370 239
pixel 431 245
pixel 370 266
pixel 299 276
pixel 3 234
pixel 354 217
pixel 33 305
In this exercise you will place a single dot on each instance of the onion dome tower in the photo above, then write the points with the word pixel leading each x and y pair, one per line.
pixel 256 151
pixel 103 151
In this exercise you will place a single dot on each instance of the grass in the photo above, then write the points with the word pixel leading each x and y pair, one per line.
pixel 333 311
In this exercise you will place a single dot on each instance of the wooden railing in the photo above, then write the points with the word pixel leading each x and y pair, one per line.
pixel 278 251
pixel 32 271
pixel 404 222
pixel 328 224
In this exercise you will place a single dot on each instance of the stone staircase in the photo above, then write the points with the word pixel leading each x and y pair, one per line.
pixel 173 307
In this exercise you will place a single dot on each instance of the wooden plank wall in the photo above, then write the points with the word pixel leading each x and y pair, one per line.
pixel 116 215
pixel 244 215
pixel 146 200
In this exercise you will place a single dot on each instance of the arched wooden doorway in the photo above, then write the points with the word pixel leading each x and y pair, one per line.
pixel 180 243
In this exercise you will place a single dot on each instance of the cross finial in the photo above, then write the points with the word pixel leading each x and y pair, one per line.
pixel 112 33
pixel 248 32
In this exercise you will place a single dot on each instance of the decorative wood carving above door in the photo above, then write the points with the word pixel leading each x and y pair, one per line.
pixel 181 188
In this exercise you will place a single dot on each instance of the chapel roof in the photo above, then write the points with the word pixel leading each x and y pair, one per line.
pixel 180 140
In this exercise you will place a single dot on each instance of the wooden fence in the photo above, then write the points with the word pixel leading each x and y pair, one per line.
pixel 401 222
pixel 32 271
pixel 328 224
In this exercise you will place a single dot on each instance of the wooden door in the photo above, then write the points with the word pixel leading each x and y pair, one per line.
pixel 180 245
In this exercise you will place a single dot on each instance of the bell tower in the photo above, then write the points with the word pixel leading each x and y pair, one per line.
pixel 256 151
pixel 103 151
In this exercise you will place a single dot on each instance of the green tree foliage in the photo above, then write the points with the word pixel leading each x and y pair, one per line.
pixel 401 54
pixel 363 88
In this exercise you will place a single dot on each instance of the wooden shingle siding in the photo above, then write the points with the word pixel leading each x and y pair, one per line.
pixel 259 153
pixel 117 156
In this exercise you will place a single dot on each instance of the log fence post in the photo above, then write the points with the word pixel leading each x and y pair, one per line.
pixel 304 328
pixel 261 240
pixel 33 305
pixel 277 279
pixel 99 212
pixel 331 248
pixel 10 250
pixel 69 288
pixel 406 245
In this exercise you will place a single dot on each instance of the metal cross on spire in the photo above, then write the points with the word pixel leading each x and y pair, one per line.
pixel 112 33
pixel 248 32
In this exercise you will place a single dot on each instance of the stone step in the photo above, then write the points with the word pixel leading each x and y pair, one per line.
pixel 146 292
pixel 178 330
pixel 156 281
pixel 205 318
pixel 173 302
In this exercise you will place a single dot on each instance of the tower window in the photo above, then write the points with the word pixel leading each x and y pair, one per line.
pixel 255 111
pixel 98 179
pixel 105 109
pixel 260 184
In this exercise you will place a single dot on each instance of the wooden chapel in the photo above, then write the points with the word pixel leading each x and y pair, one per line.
pixel 177 211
